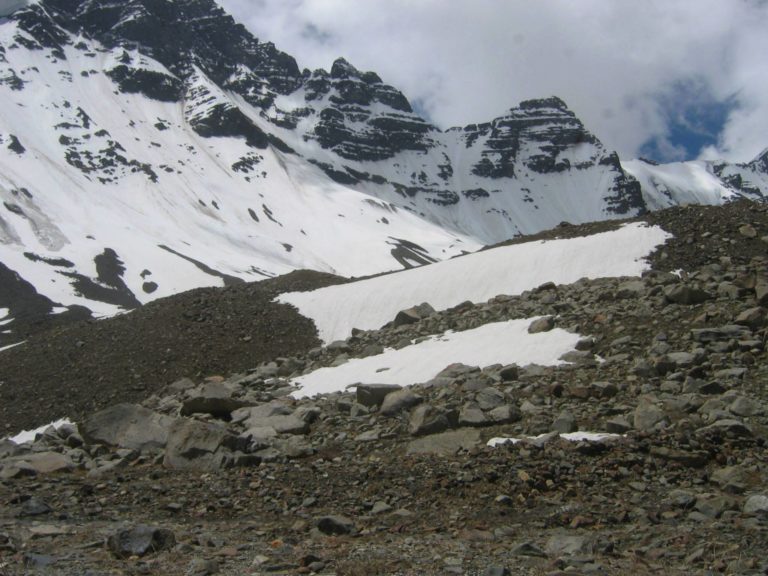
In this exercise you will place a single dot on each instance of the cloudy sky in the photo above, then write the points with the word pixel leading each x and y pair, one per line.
pixel 666 79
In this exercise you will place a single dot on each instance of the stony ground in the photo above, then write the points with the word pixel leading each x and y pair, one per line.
pixel 225 474
pixel 77 368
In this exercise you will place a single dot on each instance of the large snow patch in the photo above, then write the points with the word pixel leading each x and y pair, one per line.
pixel 369 304
pixel 496 343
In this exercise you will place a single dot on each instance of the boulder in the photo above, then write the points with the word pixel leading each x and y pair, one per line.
pixel 413 315
pixel 489 398
pixel 127 426
pixel 373 394
pixel 686 295
pixel 335 525
pixel 426 419
pixel 756 504
pixel 544 324
pixel 649 416
pixel 214 398
pixel 194 445
pixel 288 424
pixel 36 463
pixel 446 443
pixel 140 541
pixel 471 415
pixel 399 401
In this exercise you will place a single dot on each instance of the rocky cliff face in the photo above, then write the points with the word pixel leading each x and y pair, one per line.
pixel 166 137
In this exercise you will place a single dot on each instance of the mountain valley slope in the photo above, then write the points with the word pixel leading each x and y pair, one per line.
pixel 151 147
pixel 672 363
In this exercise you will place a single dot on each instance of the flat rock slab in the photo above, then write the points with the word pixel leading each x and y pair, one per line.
pixel 445 444
pixel 194 445
pixel 40 463
pixel 127 426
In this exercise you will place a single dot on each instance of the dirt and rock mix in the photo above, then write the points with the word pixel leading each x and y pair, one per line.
pixel 221 471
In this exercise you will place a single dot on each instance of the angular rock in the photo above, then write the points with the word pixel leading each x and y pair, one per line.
pixel 140 541
pixel 8 448
pixel 618 425
pixel 413 315
pixel 544 324
pixel 692 459
pixel 472 415
pixel 127 426
pixel 630 289
pixel 648 416
pixel 727 426
pixel 509 373
pixel 214 398
pixel 756 504
pixel 686 295
pixel 446 443
pixel 399 401
pixel 426 419
pixel 505 414
pixel 273 408
pixel 34 507
pixel 194 445
pixel 290 424
pixel 44 462
pixel 374 394
pixel 754 318
pixel 568 545
pixel 335 525
pixel 489 398
pixel 257 438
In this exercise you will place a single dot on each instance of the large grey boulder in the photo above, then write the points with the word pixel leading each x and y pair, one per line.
pixel 214 398
pixel 686 295
pixel 374 394
pixel 35 463
pixel 413 315
pixel 194 445
pixel 127 426
pixel 140 541
pixel 399 401
pixel 426 419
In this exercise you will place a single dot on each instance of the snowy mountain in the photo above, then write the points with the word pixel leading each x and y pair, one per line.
pixel 699 182
pixel 148 147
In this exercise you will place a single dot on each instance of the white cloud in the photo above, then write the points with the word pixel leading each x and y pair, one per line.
pixel 611 60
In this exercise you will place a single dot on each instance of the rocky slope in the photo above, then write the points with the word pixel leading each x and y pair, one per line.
pixel 228 474
pixel 151 147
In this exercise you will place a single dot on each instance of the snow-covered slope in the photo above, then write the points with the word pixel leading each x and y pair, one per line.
pixel 699 182
pixel 371 303
pixel 151 147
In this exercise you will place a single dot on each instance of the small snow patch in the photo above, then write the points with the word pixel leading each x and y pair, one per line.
pixel 570 436
pixel 29 435
pixel 4 348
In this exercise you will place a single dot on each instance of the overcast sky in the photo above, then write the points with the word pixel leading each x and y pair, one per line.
pixel 667 79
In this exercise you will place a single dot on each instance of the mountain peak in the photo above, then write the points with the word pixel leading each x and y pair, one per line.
pixel 761 161
pixel 7 7
pixel 342 69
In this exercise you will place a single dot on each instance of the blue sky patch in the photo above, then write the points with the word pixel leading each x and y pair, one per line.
pixel 694 119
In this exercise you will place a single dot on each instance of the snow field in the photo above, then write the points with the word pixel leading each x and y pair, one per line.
pixel 369 304
pixel 495 343
pixel 570 436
